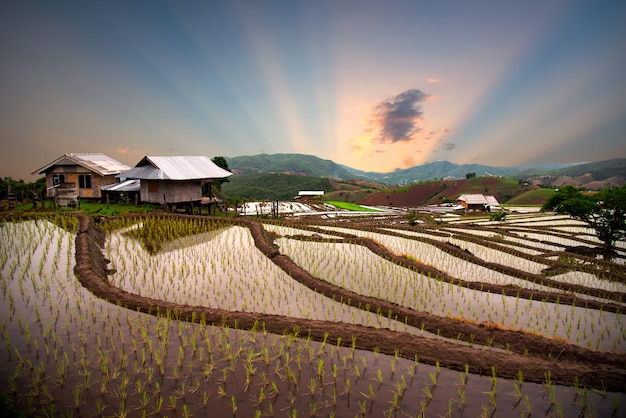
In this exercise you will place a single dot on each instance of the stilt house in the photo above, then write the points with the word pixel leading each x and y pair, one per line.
pixel 80 175
pixel 174 179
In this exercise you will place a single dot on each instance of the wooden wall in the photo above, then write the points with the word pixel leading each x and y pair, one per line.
pixel 71 176
pixel 162 191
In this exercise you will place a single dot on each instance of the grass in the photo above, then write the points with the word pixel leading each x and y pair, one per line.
pixel 93 208
pixel 531 198
pixel 352 206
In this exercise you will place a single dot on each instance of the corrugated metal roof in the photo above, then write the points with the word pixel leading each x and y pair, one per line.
pixel 478 199
pixel 175 168
pixel 473 199
pixel 124 186
pixel 492 201
pixel 96 162
pixel 101 163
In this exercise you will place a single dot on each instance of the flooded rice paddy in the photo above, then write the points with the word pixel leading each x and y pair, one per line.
pixel 66 352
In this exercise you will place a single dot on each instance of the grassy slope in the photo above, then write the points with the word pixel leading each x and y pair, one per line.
pixel 531 197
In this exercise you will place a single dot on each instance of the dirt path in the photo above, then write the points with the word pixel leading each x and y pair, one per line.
pixel 564 361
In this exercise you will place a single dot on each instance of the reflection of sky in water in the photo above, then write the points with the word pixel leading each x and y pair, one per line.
pixel 364 272
pixel 50 323
pixel 155 247
pixel 226 272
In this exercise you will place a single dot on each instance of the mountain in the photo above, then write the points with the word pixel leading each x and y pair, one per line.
pixel 298 164
pixel 272 186
pixel 309 165
pixel 599 170
pixel 595 175
pixel 440 170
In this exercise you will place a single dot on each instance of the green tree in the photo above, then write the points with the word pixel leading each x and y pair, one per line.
pixel 216 186
pixel 21 189
pixel 604 211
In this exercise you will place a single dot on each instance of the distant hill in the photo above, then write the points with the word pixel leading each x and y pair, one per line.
pixel 272 186
pixel 310 165
pixel 297 164
pixel 596 175
pixel 281 176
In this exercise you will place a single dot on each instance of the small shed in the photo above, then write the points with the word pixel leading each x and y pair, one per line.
pixel 80 175
pixel 309 195
pixel 477 202
pixel 174 179
pixel 127 190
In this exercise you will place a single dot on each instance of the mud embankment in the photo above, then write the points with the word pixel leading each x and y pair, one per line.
pixel 564 361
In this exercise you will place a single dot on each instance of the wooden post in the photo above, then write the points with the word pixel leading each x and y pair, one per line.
pixel 107 199
pixel 11 198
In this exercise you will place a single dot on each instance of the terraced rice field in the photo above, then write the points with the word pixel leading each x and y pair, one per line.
pixel 197 316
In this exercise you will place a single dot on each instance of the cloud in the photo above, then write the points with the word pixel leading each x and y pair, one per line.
pixel 449 146
pixel 396 119
pixel 122 150
pixel 433 80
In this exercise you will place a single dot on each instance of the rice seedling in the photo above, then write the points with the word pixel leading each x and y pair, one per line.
pixel 74 348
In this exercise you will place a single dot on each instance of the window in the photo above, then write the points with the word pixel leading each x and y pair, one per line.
pixel 84 181
pixel 153 187
pixel 58 179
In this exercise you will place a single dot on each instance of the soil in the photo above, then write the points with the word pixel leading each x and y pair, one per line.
pixel 518 351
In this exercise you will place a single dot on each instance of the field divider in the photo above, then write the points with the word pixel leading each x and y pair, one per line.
pixel 600 370
pixel 563 298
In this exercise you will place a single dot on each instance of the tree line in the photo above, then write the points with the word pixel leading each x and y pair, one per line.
pixel 22 189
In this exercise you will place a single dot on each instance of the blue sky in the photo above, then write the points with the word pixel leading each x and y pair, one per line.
pixel 376 85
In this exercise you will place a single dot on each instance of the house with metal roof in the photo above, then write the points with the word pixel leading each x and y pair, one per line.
pixel 477 202
pixel 309 195
pixel 174 179
pixel 80 175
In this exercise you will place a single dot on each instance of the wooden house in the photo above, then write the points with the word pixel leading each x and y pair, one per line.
pixel 477 202
pixel 80 175
pixel 175 179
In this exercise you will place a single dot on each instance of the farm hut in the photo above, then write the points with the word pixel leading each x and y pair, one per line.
pixel 80 175
pixel 477 202
pixel 174 179
pixel 127 190
pixel 310 195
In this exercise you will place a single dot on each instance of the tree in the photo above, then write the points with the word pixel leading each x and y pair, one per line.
pixel 216 187
pixel 19 187
pixel 604 211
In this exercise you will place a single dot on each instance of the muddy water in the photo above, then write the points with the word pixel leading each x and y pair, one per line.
pixel 65 352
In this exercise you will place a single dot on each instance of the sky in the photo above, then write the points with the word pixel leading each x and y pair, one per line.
pixel 375 85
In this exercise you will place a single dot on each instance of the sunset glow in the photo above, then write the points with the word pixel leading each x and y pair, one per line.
pixel 374 85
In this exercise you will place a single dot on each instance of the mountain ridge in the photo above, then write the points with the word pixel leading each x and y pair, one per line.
pixel 310 165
